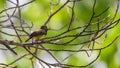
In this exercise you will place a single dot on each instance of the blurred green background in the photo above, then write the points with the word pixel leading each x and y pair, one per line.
pixel 38 12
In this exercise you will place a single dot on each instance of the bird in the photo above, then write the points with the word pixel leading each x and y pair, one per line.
pixel 38 35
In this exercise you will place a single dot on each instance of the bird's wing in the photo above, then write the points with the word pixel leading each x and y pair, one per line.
pixel 36 33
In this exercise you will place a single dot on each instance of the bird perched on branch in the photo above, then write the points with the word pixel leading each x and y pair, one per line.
pixel 38 35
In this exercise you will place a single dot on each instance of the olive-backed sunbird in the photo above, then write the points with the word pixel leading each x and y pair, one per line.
pixel 38 35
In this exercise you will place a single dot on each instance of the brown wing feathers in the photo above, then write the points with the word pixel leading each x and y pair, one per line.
pixel 42 31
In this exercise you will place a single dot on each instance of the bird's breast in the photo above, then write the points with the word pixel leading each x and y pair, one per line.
pixel 39 37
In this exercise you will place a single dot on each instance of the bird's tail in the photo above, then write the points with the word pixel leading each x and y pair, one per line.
pixel 28 39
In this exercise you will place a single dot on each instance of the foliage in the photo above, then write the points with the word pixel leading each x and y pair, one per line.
pixel 81 33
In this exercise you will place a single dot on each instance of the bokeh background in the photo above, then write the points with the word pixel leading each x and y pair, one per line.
pixel 38 12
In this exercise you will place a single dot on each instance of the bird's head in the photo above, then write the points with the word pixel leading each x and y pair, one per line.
pixel 44 27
